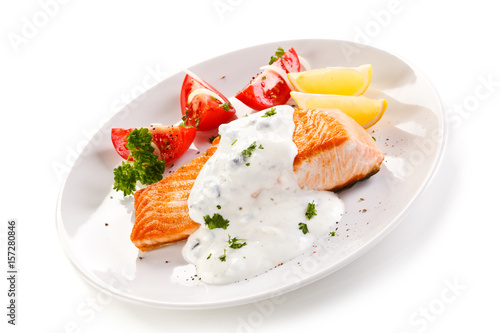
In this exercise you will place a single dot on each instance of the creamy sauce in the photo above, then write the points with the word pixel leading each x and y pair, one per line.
pixel 254 191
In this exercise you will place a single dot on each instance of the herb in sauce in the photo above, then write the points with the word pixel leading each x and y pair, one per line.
pixel 216 221
pixel 303 227
pixel 269 113
pixel 248 152
pixel 233 242
pixel 223 257
pixel 311 210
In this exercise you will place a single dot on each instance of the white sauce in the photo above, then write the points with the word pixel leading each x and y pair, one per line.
pixel 262 202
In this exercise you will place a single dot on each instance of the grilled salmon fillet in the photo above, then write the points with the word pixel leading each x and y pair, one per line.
pixel 161 210
pixel 333 152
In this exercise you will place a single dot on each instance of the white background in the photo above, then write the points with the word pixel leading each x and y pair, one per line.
pixel 436 272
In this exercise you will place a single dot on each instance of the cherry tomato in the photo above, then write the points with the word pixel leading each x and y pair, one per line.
pixel 269 89
pixel 207 108
pixel 170 142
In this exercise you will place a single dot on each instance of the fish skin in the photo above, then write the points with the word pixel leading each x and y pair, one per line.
pixel 334 152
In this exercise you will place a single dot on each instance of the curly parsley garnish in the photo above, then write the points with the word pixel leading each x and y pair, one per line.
pixel 276 55
pixel 216 221
pixel 233 242
pixel 311 210
pixel 303 227
pixel 142 164
pixel 269 113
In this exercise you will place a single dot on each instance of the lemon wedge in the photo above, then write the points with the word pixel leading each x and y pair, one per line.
pixel 349 81
pixel 365 111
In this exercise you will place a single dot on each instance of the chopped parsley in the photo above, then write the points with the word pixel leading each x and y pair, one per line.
pixel 209 256
pixel 269 113
pixel 234 142
pixel 219 207
pixel 332 233
pixel 276 55
pixel 233 242
pixel 142 165
pixel 225 106
pixel 311 210
pixel 248 152
pixel 216 221
pixel 303 227
pixel 223 257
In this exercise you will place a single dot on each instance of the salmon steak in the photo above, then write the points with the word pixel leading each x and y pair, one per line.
pixel 334 152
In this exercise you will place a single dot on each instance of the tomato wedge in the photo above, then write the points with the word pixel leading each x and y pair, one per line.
pixel 203 106
pixel 170 142
pixel 119 139
pixel 269 89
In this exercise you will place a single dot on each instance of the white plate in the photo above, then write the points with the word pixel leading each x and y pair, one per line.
pixel 94 222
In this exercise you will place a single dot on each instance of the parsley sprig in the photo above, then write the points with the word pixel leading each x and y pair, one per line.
pixel 142 164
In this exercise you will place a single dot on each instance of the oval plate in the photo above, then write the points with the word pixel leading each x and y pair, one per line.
pixel 94 222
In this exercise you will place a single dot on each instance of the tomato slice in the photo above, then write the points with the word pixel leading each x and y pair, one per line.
pixel 269 89
pixel 170 142
pixel 206 108
pixel 119 139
